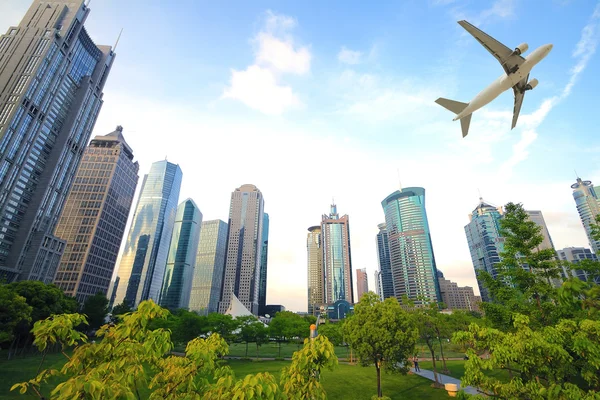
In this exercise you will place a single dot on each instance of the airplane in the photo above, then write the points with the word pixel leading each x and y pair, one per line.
pixel 516 75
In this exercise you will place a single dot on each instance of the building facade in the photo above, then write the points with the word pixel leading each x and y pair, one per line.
pixel 537 217
pixel 574 255
pixel 385 280
pixel 51 81
pixel 262 289
pixel 457 297
pixel 95 215
pixel 362 283
pixel 337 260
pixel 588 207
pixel 316 273
pixel 144 256
pixel 485 241
pixel 207 283
pixel 411 251
pixel 244 248
pixel 179 273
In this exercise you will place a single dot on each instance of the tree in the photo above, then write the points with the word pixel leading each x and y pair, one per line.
pixel 286 326
pixel 96 308
pixel 119 310
pixel 187 325
pixel 224 325
pixel 44 299
pixel 13 310
pixel 428 324
pixel 247 329
pixel 261 337
pixel 381 333
pixel 333 332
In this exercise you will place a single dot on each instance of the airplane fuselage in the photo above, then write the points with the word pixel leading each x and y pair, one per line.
pixel 505 82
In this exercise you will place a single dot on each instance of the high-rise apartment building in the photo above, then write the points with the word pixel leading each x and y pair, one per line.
pixel 485 241
pixel 411 251
pixel 144 257
pixel 588 207
pixel 244 248
pixel 179 273
pixel 316 273
pixel 207 283
pixel 51 81
pixel 95 215
pixel 385 281
pixel 574 255
pixel 538 218
pixel 457 297
pixel 262 289
pixel 362 283
pixel 337 260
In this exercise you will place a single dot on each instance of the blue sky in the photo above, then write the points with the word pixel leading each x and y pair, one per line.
pixel 314 100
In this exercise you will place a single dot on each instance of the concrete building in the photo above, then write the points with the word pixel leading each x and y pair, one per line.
pixel 362 283
pixel 244 248
pixel 316 272
pixel 337 260
pixel 538 218
pixel 588 207
pixel 95 215
pixel 457 297
pixel 575 255
pixel 411 251
pixel 207 283
pixel 144 256
pixel 385 279
pixel 51 81
pixel 262 289
pixel 179 273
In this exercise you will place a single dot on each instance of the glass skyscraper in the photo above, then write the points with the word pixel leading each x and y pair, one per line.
pixel 51 81
pixel 588 207
pixel 316 273
pixel 385 279
pixel 337 261
pixel 95 215
pixel 177 282
pixel 262 290
pixel 210 263
pixel 362 283
pixel 485 241
pixel 411 252
pixel 145 253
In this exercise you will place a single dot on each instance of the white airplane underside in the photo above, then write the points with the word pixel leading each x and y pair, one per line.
pixel 516 76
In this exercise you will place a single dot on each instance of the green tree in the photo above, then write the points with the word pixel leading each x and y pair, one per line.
pixel 187 325
pixel 44 299
pixel 287 326
pixel 13 310
pixel 119 310
pixel 247 332
pixel 333 332
pixel 95 308
pixel 224 325
pixel 381 333
pixel 261 335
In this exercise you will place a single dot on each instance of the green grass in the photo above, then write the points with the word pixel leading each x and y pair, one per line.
pixel 271 350
pixel 23 369
pixel 457 370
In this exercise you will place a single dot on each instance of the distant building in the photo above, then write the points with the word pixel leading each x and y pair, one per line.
pixel 95 215
pixel 338 310
pixel 362 283
pixel 485 241
pixel 575 255
pixel 316 272
pixel 207 283
pixel 272 309
pixel 457 297
pixel 378 284
pixel 262 289
pixel 337 260
pixel 538 218
pixel 411 251
pixel 385 279
pixel 588 207
pixel 179 273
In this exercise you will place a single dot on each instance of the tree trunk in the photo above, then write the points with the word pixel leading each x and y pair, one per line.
pixel 257 346
pixel 378 379
pixel 435 376
pixel 443 359
pixel 11 346
pixel 280 349
pixel 246 349
pixel 41 362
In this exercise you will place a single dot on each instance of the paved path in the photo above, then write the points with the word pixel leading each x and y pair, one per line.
pixel 425 373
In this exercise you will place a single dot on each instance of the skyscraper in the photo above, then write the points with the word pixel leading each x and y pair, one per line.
pixel 244 248
pixel 51 81
pixel 588 207
pixel 485 241
pixel 262 290
pixel 210 263
pixel 179 273
pixel 538 218
pixel 337 261
pixel 144 257
pixel 362 283
pixel 457 297
pixel 95 215
pixel 378 287
pixel 411 252
pixel 385 279
pixel 316 273
pixel 575 255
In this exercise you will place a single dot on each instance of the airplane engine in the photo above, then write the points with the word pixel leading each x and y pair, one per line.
pixel 531 84
pixel 520 49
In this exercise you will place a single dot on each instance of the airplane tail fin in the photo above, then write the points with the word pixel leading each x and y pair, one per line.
pixel 457 107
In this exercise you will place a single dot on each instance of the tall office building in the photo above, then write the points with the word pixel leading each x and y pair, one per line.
pixel 316 273
pixel 362 283
pixel 588 207
pixel 262 289
pixel 179 273
pixel 485 241
pixel 145 253
pixel 574 255
pixel 51 81
pixel 457 297
pixel 210 263
pixel 411 251
pixel 95 215
pixel 538 218
pixel 385 281
pixel 378 287
pixel 337 261
pixel 244 248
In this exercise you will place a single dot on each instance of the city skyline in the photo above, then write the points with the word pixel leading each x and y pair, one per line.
pixel 532 164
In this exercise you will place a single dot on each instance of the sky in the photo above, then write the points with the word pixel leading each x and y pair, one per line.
pixel 313 101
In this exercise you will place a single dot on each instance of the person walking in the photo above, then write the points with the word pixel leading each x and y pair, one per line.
pixel 416 363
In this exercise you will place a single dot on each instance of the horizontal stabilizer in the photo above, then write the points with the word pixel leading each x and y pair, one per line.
pixel 455 106
pixel 464 124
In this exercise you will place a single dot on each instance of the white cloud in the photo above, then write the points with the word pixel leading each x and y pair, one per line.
pixel 281 55
pixel 348 56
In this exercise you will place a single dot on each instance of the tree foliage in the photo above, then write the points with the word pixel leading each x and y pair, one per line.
pixel 13 310
pixel 95 308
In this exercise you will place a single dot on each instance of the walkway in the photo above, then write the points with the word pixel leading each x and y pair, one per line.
pixel 425 373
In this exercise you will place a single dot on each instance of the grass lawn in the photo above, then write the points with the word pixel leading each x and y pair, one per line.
pixel 272 350
pixel 23 369
pixel 457 369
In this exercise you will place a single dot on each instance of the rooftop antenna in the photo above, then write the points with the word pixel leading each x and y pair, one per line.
pixel 118 38
pixel 480 198
pixel 576 174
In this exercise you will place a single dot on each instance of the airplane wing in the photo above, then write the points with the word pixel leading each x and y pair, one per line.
pixel 509 60
pixel 519 96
